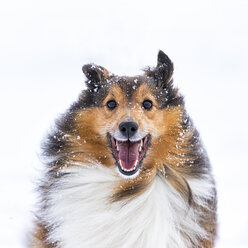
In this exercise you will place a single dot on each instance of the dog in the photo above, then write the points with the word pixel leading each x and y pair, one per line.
pixel 125 168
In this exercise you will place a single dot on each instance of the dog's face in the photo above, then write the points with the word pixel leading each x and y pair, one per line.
pixel 131 122
pixel 126 119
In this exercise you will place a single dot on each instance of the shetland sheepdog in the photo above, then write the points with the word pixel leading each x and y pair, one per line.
pixel 126 168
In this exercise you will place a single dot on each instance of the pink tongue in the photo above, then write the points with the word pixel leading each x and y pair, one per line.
pixel 128 153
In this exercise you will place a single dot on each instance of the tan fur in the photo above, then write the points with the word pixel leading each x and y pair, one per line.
pixel 39 238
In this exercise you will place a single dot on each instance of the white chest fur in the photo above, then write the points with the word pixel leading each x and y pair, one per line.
pixel 85 218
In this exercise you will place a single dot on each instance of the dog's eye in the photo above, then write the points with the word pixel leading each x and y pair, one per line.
pixel 147 104
pixel 111 104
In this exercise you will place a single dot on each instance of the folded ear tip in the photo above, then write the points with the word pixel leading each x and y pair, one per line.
pixel 90 72
pixel 95 73
pixel 87 67
pixel 161 53
pixel 163 58
pixel 84 67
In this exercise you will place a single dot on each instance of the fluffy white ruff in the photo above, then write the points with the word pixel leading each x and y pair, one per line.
pixel 83 215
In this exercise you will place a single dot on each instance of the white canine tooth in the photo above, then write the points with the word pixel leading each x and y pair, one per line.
pixel 136 162
pixel 141 145
pixel 120 164
pixel 117 147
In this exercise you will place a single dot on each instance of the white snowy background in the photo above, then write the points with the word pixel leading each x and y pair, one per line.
pixel 43 45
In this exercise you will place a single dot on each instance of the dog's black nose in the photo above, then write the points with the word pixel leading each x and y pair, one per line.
pixel 128 128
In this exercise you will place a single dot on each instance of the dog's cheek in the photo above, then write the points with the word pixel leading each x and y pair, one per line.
pixel 105 121
pixel 156 123
pixel 88 122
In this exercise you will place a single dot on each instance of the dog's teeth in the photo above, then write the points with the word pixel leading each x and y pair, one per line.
pixel 141 145
pixel 120 163
pixel 128 170
pixel 117 148
pixel 136 162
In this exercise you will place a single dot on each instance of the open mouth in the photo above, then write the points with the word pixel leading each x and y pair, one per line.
pixel 129 155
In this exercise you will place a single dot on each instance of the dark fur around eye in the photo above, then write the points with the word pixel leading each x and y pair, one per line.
pixel 111 104
pixel 147 104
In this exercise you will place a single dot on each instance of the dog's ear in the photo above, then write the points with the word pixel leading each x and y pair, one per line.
pixel 163 72
pixel 96 75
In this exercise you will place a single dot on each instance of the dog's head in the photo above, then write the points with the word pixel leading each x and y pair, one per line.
pixel 123 120
pixel 136 124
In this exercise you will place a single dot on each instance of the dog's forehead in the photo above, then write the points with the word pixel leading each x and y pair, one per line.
pixel 131 85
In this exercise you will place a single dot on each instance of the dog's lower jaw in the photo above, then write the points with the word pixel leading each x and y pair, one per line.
pixel 128 177
pixel 79 206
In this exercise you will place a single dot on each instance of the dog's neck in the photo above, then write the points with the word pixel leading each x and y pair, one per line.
pixel 84 216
